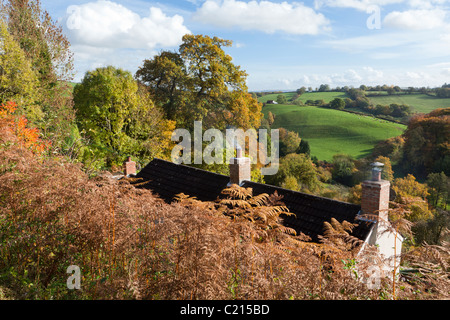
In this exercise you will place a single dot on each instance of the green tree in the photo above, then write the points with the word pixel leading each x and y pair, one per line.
pixel 301 91
pixel 48 51
pixel 18 81
pixel 343 168
pixel 337 103
pixel 118 117
pixel 290 143
pixel 281 99
pixel 301 168
pixel 201 83
pixel 290 183
pixel 433 231
pixel 304 147
pixel 439 188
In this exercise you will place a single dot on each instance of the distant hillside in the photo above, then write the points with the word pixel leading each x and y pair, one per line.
pixel 421 103
pixel 331 131
pixel 325 96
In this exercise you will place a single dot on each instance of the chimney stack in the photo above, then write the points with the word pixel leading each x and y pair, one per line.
pixel 129 167
pixel 240 169
pixel 375 194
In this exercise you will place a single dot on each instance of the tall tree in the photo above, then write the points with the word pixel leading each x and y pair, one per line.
pixel 427 147
pixel 119 118
pixel 18 81
pixel 48 50
pixel 439 188
pixel 201 83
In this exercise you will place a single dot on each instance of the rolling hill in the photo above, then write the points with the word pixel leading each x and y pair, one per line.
pixel 330 132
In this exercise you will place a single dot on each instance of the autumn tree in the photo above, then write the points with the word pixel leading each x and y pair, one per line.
pixel 413 195
pixel 42 40
pixel 119 117
pixel 387 173
pixel 270 118
pixel 18 81
pixel 201 83
pixel 427 147
pixel 391 148
pixel 48 51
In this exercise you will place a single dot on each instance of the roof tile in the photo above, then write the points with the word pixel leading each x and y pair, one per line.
pixel 310 212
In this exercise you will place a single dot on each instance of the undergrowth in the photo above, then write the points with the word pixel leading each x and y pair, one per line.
pixel 129 244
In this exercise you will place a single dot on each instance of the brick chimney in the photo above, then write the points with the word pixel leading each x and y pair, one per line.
pixel 375 194
pixel 240 169
pixel 129 167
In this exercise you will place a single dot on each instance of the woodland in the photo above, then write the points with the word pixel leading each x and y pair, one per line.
pixel 60 143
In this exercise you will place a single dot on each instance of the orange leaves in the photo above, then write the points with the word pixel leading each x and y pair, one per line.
pixel 18 125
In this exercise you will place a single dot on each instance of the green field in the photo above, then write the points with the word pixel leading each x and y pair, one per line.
pixel 325 96
pixel 330 132
pixel 420 103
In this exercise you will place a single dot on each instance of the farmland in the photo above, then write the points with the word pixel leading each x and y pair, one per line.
pixel 325 96
pixel 420 103
pixel 330 132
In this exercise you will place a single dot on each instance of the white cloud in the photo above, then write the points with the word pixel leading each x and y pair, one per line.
pixel 372 43
pixel 416 19
pixel 107 33
pixel 361 5
pixel 265 16
pixel 425 4
pixel 111 25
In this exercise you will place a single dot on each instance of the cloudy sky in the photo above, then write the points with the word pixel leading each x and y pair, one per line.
pixel 282 45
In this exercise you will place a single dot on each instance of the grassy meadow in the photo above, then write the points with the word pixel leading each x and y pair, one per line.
pixel 420 103
pixel 330 132
pixel 325 96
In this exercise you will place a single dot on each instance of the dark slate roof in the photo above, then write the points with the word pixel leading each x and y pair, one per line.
pixel 168 179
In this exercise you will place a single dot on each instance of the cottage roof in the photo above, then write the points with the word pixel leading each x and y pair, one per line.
pixel 310 212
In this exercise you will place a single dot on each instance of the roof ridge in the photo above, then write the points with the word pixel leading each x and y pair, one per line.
pixel 302 193
pixel 261 184
pixel 189 167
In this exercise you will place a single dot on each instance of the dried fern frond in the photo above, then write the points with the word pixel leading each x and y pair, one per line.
pixel 259 200
pixel 181 197
pixel 236 203
pixel 238 192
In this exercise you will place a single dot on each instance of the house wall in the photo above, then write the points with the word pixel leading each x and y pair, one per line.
pixel 379 257
pixel 389 244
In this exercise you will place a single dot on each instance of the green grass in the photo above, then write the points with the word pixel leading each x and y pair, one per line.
pixel 418 102
pixel 273 96
pixel 421 103
pixel 330 132
pixel 326 96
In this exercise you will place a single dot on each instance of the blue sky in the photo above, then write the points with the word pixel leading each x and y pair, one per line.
pixel 282 45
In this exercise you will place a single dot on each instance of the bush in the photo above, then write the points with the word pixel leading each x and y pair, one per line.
pixel 129 244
